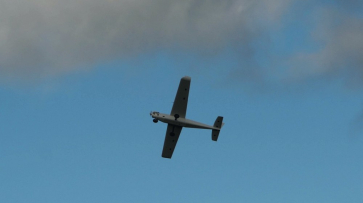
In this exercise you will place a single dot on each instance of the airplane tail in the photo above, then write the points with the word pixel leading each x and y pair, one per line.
pixel 218 124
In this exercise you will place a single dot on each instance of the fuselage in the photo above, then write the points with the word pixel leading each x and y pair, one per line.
pixel 183 122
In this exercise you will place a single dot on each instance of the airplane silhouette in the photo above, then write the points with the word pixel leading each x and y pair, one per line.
pixel 176 119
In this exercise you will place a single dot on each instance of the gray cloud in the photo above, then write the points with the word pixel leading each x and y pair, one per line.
pixel 41 38
pixel 339 37
pixel 49 37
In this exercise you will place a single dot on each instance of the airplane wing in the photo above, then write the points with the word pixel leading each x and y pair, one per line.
pixel 171 140
pixel 181 98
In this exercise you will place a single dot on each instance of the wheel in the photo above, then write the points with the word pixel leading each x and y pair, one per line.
pixel 155 120
pixel 172 134
pixel 176 116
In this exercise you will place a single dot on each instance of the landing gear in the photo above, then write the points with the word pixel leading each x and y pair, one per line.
pixel 176 116
pixel 155 120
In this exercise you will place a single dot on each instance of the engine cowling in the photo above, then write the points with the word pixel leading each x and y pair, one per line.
pixel 155 120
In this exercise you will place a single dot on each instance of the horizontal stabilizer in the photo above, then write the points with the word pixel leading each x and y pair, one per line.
pixel 218 124
pixel 215 134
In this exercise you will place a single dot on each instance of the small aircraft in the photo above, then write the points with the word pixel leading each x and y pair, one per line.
pixel 176 119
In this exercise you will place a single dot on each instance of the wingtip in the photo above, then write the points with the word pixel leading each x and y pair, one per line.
pixel 166 157
pixel 186 78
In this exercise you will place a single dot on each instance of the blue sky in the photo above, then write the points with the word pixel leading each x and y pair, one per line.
pixel 81 132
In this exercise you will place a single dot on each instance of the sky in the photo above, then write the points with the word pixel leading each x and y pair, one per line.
pixel 79 78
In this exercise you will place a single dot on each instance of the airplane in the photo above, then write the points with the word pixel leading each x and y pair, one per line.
pixel 176 119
